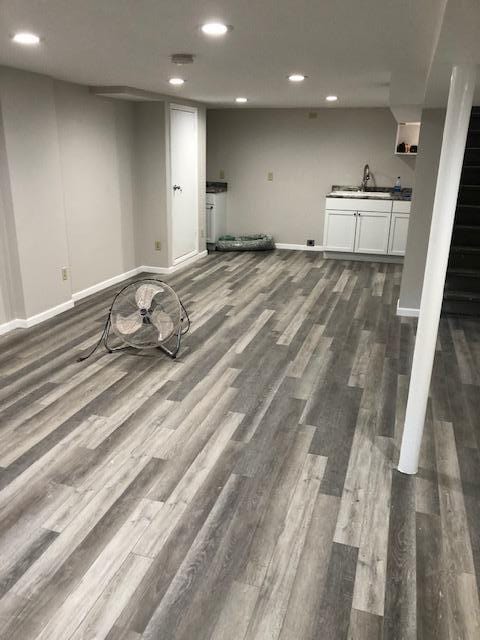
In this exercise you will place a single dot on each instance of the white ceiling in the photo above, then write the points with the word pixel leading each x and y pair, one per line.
pixel 368 52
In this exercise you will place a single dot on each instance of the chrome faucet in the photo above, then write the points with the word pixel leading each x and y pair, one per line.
pixel 366 177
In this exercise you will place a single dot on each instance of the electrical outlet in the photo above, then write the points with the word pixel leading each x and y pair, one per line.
pixel 270 176
pixel 64 273
pixel 310 243
pixel 158 245
pixel 222 174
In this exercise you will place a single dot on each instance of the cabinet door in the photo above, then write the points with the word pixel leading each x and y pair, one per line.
pixel 372 232
pixel 210 220
pixel 398 234
pixel 340 230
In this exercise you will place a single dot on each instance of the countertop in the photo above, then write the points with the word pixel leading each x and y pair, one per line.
pixel 216 187
pixel 405 194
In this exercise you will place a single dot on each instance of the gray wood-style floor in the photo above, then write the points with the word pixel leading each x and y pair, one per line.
pixel 247 490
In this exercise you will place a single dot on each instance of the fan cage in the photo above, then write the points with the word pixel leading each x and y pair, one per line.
pixel 151 308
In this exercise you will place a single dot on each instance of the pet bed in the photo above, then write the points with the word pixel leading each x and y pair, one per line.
pixel 259 242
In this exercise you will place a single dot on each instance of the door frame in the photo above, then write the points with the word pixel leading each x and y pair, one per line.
pixel 181 107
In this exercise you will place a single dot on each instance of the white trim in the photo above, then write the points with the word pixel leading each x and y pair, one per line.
pixel 26 323
pixel 6 327
pixel 174 268
pixel 299 247
pixel 84 293
pixel 186 257
pixel 46 315
pixel 407 312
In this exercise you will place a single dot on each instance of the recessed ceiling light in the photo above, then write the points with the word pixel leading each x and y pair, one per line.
pixel 241 100
pixel 176 81
pixel 215 28
pixel 331 98
pixel 296 77
pixel 24 37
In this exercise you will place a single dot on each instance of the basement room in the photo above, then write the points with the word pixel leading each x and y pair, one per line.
pixel 239 320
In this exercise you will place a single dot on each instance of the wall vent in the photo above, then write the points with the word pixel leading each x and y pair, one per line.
pixel 182 58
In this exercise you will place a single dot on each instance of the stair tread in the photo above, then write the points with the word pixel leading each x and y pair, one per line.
pixel 471 227
pixel 462 295
pixel 458 271
pixel 459 248
pixel 469 206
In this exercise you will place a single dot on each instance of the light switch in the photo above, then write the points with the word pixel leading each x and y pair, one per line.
pixel 158 245
pixel 270 176
pixel 64 273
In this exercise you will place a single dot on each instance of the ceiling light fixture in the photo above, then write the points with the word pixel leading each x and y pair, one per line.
pixel 215 28
pixel 24 37
pixel 331 98
pixel 296 77
pixel 241 100
pixel 177 82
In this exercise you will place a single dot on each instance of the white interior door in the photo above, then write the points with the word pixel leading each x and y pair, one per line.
pixel 183 159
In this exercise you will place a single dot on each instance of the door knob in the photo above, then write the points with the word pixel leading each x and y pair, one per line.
pixel 177 187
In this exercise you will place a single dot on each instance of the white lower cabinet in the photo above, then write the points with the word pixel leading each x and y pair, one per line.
pixel 383 230
pixel 398 234
pixel 340 230
pixel 372 232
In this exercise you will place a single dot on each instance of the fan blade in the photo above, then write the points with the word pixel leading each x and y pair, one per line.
pixel 163 323
pixel 128 324
pixel 144 295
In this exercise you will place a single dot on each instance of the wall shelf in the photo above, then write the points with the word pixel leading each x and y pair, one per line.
pixel 409 133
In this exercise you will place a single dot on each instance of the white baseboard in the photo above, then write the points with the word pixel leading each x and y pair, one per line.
pixel 407 312
pixel 25 323
pixel 299 247
pixel 175 267
pixel 46 315
pixel 79 295
pixel 6 327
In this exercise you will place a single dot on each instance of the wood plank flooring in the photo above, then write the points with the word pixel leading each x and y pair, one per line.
pixel 247 490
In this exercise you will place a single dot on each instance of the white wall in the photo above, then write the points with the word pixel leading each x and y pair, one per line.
pixel 306 155
pixel 95 151
pixel 430 144
pixel 83 185
pixel 11 291
pixel 150 184
pixel 31 142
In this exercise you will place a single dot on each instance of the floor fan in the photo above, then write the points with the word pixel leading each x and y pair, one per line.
pixel 145 314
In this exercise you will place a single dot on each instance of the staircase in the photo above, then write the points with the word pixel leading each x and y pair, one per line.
pixel 461 295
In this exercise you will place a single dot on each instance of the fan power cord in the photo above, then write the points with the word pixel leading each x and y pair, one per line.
pixel 103 335
pixel 186 329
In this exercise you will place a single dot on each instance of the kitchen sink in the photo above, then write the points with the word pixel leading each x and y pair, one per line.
pixel 361 194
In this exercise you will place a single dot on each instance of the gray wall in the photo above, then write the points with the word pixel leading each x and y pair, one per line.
pixel 83 185
pixel 31 142
pixel 11 292
pixel 422 206
pixel 306 155
pixel 150 184
pixel 96 160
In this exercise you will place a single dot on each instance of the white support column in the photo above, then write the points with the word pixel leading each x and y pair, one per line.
pixel 459 106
